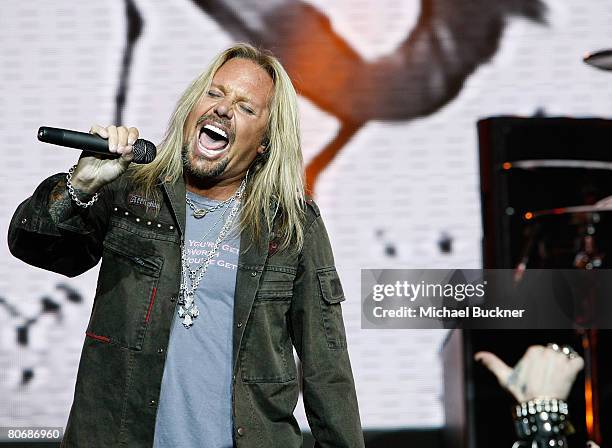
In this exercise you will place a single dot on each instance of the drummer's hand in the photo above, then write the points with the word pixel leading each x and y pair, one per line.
pixel 592 445
pixel 541 372
pixel 604 203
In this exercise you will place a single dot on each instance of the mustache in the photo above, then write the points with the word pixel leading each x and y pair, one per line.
pixel 225 122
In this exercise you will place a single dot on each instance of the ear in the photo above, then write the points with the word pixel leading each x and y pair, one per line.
pixel 263 147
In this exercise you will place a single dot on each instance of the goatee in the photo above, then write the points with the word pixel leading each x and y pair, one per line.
pixel 203 174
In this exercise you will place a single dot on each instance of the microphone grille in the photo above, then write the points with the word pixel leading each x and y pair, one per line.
pixel 144 151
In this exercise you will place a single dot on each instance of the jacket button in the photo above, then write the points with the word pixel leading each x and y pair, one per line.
pixel 240 431
pixel 160 350
pixel 24 220
pixel 172 299
pixel 239 324
pixel 152 402
pixel 254 274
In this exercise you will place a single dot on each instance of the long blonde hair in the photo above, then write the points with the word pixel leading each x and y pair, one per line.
pixel 275 181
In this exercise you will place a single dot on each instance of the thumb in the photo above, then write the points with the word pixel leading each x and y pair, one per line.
pixel 499 368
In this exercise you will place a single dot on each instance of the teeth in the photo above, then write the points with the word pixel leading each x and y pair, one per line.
pixel 217 130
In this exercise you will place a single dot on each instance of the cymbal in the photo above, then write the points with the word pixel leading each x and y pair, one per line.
pixel 557 163
pixel 600 59
pixel 578 209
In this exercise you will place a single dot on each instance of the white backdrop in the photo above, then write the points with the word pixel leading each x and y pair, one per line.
pixel 401 184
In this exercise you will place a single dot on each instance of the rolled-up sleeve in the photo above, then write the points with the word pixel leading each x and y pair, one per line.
pixel 69 247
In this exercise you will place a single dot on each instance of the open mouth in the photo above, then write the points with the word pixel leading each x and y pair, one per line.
pixel 212 140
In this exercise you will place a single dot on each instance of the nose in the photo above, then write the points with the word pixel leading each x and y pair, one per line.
pixel 224 108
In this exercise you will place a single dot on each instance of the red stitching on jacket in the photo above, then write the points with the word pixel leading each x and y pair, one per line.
pixel 97 337
pixel 151 304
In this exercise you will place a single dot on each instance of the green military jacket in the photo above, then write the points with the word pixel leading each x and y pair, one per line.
pixel 283 299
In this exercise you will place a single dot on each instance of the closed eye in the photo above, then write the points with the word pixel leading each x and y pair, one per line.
pixel 214 94
pixel 247 109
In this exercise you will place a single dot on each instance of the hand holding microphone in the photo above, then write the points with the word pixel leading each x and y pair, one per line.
pixel 119 144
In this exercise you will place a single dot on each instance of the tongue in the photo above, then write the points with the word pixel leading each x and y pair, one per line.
pixel 211 143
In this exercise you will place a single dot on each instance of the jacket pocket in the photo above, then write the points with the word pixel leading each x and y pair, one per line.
pixel 332 296
pixel 127 286
pixel 267 353
pixel 276 283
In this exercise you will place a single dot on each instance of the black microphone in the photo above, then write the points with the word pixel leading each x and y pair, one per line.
pixel 144 150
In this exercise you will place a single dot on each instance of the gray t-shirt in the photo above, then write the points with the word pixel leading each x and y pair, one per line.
pixel 195 405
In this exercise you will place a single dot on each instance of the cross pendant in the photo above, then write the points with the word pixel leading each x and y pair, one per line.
pixel 188 310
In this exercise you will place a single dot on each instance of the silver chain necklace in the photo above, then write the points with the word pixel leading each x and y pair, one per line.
pixel 199 213
pixel 188 310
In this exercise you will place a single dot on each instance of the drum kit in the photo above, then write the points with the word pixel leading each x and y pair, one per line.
pixel 574 237
pixel 566 237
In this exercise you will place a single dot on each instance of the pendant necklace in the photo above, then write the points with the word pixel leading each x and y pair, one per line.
pixel 187 309
pixel 199 213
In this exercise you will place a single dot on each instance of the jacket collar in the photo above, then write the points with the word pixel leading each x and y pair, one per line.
pixel 176 195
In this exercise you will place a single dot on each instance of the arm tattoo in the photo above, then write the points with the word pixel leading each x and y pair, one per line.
pixel 513 379
pixel 514 375
pixel 60 204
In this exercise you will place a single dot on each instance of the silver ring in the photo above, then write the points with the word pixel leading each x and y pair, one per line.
pixel 566 350
pixel 569 352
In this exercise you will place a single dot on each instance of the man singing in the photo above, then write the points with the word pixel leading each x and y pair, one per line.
pixel 214 267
